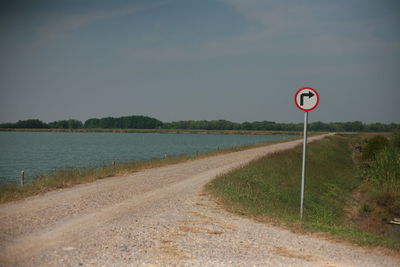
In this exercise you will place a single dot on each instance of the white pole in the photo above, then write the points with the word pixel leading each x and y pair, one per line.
pixel 22 178
pixel 303 173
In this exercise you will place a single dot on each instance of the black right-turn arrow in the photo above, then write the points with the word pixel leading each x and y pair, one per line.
pixel 309 94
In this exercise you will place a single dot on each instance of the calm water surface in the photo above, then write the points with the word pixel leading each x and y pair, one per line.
pixel 42 152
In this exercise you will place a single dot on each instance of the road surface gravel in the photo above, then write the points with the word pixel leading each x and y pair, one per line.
pixel 160 217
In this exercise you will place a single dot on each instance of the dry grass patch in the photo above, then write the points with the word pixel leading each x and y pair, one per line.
pixel 291 253
pixel 201 204
pixel 211 220
pixel 198 230
pixel 173 251
pixel 198 214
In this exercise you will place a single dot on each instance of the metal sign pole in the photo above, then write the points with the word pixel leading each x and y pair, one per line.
pixel 303 173
pixel 306 99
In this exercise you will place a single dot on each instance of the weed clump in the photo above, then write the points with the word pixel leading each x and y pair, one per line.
pixel 374 145
pixel 396 138
pixel 380 168
pixel 384 170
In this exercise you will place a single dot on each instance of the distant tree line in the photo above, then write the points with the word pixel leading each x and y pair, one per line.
pixel 128 122
pixel 30 124
pixel 144 122
pixel 66 124
pixel 356 126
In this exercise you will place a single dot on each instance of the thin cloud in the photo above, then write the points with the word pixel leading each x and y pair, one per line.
pixel 284 29
pixel 60 27
pixel 63 24
pixel 277 31
pixel 239 45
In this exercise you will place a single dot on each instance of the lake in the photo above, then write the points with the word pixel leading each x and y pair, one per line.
pixel 43 152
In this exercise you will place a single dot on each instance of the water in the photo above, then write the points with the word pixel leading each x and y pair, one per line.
pixel 42 152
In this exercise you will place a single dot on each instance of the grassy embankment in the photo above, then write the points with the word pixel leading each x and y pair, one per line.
pixel 71 177
pixel 269 190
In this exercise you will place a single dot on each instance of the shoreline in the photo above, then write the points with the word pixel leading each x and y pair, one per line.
pixel 66 178
pixel 174 131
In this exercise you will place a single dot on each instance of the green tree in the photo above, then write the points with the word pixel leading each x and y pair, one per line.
pixel 31 124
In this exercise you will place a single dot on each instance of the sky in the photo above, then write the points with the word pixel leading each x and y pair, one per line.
pixel 239 60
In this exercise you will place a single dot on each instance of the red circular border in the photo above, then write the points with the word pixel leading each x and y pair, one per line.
pixel 309 88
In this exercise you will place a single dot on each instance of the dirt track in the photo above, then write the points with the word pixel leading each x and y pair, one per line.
pixel 159 216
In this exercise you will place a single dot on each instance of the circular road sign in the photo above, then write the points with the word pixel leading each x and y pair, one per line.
pixel 306 98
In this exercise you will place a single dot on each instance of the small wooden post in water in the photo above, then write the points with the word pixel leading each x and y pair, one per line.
pixel 113 163
pixel 22 178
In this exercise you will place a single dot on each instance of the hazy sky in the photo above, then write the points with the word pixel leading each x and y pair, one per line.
pixel 192 59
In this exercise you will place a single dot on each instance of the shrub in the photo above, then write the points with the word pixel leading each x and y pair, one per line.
pixel 366 208
pixel 385 169
pixel 395 208
pixel 385 199
pixel 375 144
pixel 396 138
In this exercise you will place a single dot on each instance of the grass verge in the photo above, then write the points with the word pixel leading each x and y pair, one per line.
pixel 269 190
pixel 71 177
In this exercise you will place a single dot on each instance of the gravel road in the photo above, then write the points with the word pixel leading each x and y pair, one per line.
pixel 160 217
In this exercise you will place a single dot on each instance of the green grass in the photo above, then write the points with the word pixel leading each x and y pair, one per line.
pixel 71 177
pixel 269 190
pixel 384 170
pixel 379 194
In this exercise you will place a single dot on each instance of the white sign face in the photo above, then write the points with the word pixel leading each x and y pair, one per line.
pixel 306 99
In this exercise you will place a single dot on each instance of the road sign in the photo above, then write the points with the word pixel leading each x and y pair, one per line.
pixel 306 98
